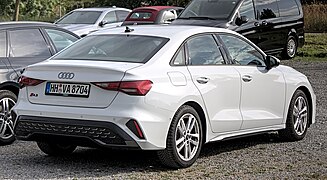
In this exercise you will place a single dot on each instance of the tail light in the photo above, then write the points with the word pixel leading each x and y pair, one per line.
pixel 137 88
pixel 26 81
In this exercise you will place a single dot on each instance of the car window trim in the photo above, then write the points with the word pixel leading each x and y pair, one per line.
pixel 245 40
pixel 6 41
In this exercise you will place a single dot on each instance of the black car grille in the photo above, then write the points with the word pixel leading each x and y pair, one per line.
pixel 102 134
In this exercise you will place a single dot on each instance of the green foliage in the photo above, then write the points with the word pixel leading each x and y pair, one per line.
pixel 315 46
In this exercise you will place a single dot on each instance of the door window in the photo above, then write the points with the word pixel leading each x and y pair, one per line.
pixel 242 52
pixel 203 50
pixel 3 44
pixel 267 9
pixel 60 39
pixel 247 9
pixel 110 17
pixel 288 8
pixel 28 43
pixel 122 15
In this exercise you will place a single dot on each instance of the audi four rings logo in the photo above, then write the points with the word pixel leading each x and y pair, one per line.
pixel 66 75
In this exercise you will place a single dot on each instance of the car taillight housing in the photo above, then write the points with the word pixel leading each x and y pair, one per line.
pixel 26 81
pixel 136 88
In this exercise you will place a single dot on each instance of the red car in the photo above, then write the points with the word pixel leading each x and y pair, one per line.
pixel 152 15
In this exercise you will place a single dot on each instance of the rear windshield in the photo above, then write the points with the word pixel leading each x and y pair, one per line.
pixel 80 17
pixel 141 15
pixel 216 9
pixel 118 48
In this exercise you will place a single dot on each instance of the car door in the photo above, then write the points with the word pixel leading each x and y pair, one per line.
pixel 26 46
pixel 4 64
pixel 111 20
pixel 218 83
pixel 263 91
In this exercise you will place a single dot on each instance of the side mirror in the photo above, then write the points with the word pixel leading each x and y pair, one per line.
pixel 272 61
pixel 102 23
pixel 241 20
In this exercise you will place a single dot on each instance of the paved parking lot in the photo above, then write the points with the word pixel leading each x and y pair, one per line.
pixel 257 157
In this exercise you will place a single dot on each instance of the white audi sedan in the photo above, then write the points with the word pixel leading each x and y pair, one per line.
pixel 164 88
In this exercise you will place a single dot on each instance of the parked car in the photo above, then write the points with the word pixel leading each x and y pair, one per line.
pixel 163 88
pixel 275 26
pixel 22 44
pixel 152 15
pixel 86 20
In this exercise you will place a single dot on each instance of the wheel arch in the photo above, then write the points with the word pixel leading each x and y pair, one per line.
pixel 202 115
pixel 308 95
pixel 10 86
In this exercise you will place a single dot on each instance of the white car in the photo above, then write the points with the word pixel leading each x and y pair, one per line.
pixel 87 20
pixel 164 88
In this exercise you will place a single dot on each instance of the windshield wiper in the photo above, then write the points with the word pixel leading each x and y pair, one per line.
pixel 199 17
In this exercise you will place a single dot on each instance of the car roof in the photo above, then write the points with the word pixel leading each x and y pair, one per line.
pixel 166 31
pixel 155 8
pixel 100 9
pixel 14 24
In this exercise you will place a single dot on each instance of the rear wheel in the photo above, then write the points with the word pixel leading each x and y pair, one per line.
pixel 7 101
pixel 184 139
pixel 289 51
pixel 53 149
pixel 297 119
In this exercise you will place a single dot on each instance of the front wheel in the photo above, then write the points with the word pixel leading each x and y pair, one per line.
pixel 7 101
pixel 53 149
pixel 184 139
pixel 297 119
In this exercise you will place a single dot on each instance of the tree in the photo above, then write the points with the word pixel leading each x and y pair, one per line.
pixel 16 15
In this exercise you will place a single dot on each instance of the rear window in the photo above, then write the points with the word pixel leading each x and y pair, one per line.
pixel 141 15
pixel 218 9
pixel 119 48
pixel 288 8
pixel 80 17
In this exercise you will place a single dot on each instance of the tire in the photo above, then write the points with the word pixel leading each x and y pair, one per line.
pixel 290 49
pixel 190 139
pixel 297 118
pixel 53 149
pixel 7 100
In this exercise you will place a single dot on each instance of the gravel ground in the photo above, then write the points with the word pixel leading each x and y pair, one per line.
pixel 256 157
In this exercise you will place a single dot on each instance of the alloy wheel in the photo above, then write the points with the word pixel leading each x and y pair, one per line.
pixel 291 47
pixel 300 115
pixel 6 121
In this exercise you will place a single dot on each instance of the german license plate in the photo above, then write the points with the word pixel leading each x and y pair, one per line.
pixel 67 89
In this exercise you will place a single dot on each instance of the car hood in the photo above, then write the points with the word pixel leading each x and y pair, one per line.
pixel 79 29
pixel 198 22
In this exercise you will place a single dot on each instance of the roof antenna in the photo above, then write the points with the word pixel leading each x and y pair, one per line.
pixel 127 30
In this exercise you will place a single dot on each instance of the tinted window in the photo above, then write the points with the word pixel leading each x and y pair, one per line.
pixel 141 15
pixel 179 58
pixel 110 17
pixel 120 48
pixel 203 50
pixel 80 17
pixel 60 39
pixel 3 44
pixel 247 9
pixel 288 8
pixel 242 52
pixel 267 9
pixel 122 15
pixel 220 9
pixel 28 43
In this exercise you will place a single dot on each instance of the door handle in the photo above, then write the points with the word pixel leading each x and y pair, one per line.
pixel 247 78
pixel 256 24
pixel 202 80
pixel 265 23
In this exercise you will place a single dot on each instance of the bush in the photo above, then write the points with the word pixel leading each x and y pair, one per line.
pixel 315 17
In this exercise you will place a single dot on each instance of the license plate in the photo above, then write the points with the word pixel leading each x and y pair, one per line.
pixel 67 89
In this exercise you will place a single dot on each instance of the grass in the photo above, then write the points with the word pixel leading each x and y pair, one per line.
pixel 315 48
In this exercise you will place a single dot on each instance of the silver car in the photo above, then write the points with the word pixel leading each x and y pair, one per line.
pixel 86 20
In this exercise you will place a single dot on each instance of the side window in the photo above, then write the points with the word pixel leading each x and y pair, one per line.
pixel 110 17
pixel 122 15
pixel 203 50
pixel 60 39
pixel 247 9
pixel 242 52
pixel 267 9
pixel 3 44
pixel 288 8
pixel 180 57
pixel 28 43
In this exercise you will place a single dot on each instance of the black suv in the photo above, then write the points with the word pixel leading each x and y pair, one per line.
pixel 23 44
pixel 274 25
